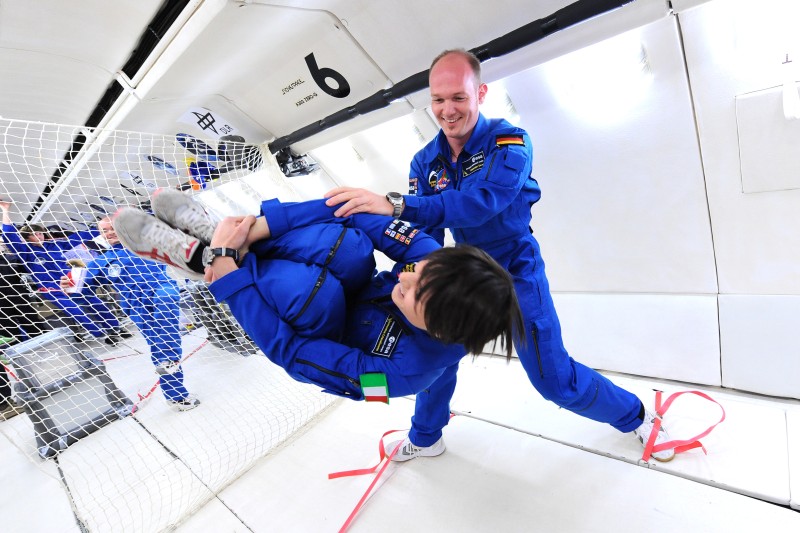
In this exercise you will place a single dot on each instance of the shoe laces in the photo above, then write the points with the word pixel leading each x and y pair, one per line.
pixel 646 428
pixel 194 215
pixel 168 239
pixel 409 449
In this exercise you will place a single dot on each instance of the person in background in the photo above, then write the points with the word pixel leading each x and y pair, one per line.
pixel 475 178
pixel 152 301
pixel 45 260
pixel 19 319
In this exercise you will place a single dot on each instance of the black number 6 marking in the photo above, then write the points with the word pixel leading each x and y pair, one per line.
pixel 321 76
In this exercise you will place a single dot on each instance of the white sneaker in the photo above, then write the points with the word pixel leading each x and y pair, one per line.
pixel 150 238
pixel 181 212
pixel 187 404
pixel 643 434
pixel 408 451
pixel 165 368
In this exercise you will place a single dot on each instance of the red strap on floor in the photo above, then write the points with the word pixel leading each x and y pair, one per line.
pixel 384 456
pixel 362 471
pixel 679 446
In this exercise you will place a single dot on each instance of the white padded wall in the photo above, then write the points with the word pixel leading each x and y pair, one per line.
pixel 669 337
pixel 623 206
pixel 736 48
pixel 623 221
pixel 759 343
pixel 732 48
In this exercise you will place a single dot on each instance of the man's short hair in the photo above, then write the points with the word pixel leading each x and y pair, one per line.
pixel 469 299
pixel 471 58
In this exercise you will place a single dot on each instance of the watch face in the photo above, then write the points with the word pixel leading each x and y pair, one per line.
pixel 207 257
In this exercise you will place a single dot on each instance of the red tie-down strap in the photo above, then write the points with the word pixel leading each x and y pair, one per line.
pixel 679 446
pixel 346 473
pixel 362 471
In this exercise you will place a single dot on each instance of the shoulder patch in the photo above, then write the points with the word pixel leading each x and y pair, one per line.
pixel 505 140
pixel 412 186
pixel 401 231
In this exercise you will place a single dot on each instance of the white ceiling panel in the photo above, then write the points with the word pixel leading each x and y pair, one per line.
pixel 64 53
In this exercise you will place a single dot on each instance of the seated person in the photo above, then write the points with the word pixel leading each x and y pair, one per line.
pixel 405 327
pixel 44 258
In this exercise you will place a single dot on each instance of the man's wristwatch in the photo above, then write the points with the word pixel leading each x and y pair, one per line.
pixel 209 254
pixel 398 203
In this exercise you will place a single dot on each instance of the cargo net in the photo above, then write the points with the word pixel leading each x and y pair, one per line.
pixel 100 384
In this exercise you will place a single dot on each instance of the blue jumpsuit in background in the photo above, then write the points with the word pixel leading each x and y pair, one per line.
pixel 485 198
pixel 152 301
pixel 47 265
pixel 371 335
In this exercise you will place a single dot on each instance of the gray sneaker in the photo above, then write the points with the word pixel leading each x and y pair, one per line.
pixel 168 367
pixel 186 404
pixel 152 239
pixel 409 451
pixel 181 212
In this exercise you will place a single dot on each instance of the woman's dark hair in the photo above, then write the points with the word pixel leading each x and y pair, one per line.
pixel 469 299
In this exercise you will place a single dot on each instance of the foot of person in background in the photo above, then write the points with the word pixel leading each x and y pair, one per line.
pixel 643 434
pixel 82 337
pixel 165 368
pixel 408 451
pixel 8 410
pixel 186 404
pixel 117 335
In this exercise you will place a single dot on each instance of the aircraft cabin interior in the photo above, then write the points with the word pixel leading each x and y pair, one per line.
pixel 664 136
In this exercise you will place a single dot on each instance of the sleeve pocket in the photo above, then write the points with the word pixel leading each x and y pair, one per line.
pixel 513 163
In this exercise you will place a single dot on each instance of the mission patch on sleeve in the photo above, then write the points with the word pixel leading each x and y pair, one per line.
pixel 401 231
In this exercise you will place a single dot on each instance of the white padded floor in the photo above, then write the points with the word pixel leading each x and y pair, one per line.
pixel 514 463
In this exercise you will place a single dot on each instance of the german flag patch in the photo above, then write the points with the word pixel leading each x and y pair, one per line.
pixel 505 140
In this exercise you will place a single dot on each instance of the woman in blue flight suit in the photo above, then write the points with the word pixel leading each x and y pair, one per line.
pixel 364 332
pixel 325 318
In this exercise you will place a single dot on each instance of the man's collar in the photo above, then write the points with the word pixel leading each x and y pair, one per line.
pixel 476 137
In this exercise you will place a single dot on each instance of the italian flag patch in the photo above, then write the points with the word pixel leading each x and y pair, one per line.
pixel 374 387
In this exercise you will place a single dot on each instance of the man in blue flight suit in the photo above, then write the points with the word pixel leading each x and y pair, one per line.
pixel 399 327
pixel 475 178
pixel 44 258
pixel 152 301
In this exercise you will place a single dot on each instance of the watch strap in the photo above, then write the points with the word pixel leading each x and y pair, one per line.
pixel 398 203
pixel 211 253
